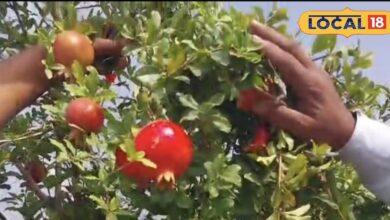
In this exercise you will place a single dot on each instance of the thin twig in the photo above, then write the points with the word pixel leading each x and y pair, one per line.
pixel 58 194
pixel 22 137
pixel 320 57
pixel 31 183
pixel 279 177
pixel 2 217
pixel 88 6
pixel 14 8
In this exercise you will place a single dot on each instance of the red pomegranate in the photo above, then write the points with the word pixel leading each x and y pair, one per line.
pixel 37 170
pixel 167 145
pixel 70 46
pixel 85 113
pixel 260 141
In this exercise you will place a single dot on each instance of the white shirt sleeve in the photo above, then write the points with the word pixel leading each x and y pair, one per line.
pixel 368 151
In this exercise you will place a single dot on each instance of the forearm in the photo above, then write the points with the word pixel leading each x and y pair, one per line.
pixel 368 151
pixel 22 81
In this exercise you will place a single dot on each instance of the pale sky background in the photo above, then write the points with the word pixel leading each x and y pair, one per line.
pixel 379 44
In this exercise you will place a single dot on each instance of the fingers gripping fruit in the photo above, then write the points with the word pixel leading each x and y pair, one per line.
pixel 86 114
pixel 70 46
pixel 167 145
pixel 260 140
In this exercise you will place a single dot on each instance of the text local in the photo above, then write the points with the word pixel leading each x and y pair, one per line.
pixel 336 22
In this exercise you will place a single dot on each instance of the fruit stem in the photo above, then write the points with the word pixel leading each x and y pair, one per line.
pixel 76 136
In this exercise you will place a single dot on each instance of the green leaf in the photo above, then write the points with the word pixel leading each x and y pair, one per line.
pixel 277 16
pixel 221 122
pixel 288 141
pixel 196 70
pixel 217 99
pixel 92 80
pixel 128 147
pixel 99 201
pixel 221 56
pixel 62 156
pixel 213 192
pixel 266 161
pixel 150 79
pixel 327 201
pixel 147 70
pixel 363 62
pixel 70 147
pixel 105 95
pixel 252 178
pixel 190 116
pixel 274 216
pixel 114 204
pixel 148 163
pixel 76 90
pixel 224 204
pixel 177 60
pixel 299 211
pixel 190 44
pixel 183 201
pixel 232 175
pixel 324 42
pixel 49 73
pixel 78 72
pixel 183 79
pixel 111 216
pixel 188 101
pixel 59 145
pixel 156 18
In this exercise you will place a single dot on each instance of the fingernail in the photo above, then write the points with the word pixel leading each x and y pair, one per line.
pixel 258 39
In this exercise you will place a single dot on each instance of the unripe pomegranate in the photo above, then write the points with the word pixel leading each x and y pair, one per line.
pixel 86 114
pixel 37 170
pixel 110 78
pixel 70 46
pixel 167 145
pixel 260 140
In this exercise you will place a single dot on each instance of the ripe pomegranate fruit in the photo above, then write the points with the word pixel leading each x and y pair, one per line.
pixel 110 78
pixel 86 114
pixel 167 145
pixel 247 98
pixel 260 140
pixel 70 46
pixel 37 170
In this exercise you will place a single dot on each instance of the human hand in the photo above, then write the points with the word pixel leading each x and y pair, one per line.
pixel 108 55
pixel 319 113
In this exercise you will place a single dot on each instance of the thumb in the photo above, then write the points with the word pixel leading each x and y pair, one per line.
pixel 283 117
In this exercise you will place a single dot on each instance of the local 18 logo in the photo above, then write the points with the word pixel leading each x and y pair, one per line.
pixel 345 22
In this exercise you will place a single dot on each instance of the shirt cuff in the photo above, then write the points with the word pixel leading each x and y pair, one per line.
pixel 368 151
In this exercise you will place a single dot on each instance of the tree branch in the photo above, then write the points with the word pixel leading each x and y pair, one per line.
pixel 2 217
pixel 58 194
pixel 24 136
pixel 31 183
